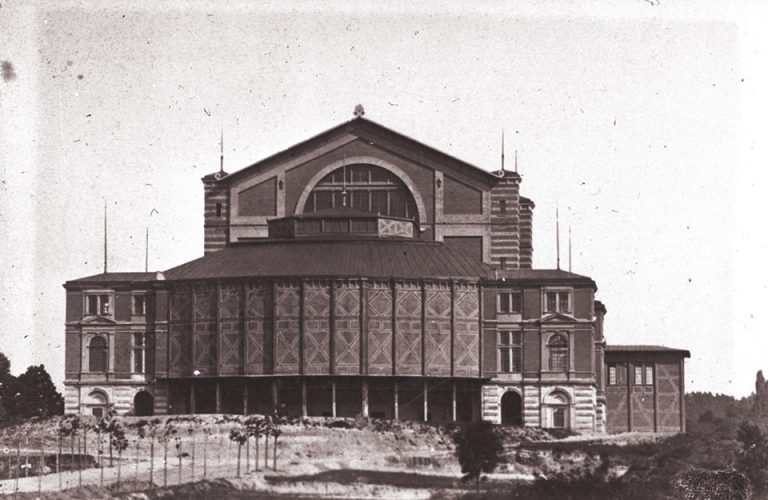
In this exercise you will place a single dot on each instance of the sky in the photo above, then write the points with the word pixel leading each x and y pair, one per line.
pixel 642 122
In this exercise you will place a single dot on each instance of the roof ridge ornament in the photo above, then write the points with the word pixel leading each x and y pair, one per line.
pixel 359 111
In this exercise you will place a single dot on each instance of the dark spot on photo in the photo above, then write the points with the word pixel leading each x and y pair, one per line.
pixel 79 77
pixel 9 73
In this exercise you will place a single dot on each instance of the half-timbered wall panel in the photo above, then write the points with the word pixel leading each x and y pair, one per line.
pixel 380 329
pixel 204 331
pixel 258 324
pixel 642 409
pixel 408 337
pixel 180 333
pixel 668 385
pixel 438 329
pixel 618 408
pixel 316 329
pixel 230 330
pixel 287 304
pixel 466 361
pixel 347 329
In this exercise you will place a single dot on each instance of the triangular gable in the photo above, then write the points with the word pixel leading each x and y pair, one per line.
pixel 374 134
pixel 557 317
pixel 98 320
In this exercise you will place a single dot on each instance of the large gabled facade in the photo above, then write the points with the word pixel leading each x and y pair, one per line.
pixel 358 272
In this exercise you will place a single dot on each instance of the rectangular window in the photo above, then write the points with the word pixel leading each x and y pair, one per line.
pixel 139 305
pixel 97 305
pixel 617 374
pixel 139 352
pixel 93 304
pixel 638 375
pixel 503 262
pixel 558 417
pixel 557 302
pixel 503 206
pixel 648 375
pixel 510 352
pixel 511 303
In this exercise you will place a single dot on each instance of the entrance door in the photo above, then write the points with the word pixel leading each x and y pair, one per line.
pixel 143 404
pixel 512 409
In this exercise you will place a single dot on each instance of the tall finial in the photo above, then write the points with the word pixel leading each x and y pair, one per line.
pixel 557 233
pixel 569 248
pixel 146 251
pixel 105 236
pixel 502 150
pixel 221 158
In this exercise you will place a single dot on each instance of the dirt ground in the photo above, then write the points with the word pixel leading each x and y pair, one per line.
pixel 316 458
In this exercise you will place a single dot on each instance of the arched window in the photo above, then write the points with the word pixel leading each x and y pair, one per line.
pixel 363 187
pixel 97 354
pixel 558 353
pixel 557 407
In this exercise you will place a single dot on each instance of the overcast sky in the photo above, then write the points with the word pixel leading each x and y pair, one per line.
pixel 645 124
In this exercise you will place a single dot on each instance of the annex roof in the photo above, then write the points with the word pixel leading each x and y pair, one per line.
pixel 372 258
pixel 544 276
pixel 111 278
pixel 647 348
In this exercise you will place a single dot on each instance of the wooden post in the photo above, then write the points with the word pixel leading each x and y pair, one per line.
pixel 26 456
pixel 682 394
pixel 80 464
pixel 245 397
pixel 655 398
pixel 218 397
pixel 192 464
pixel 192 408
pixel 303 397
pixel 426 400
pixel 41 470
pixel 453 399
pixel 364 388
pixel 58 459
pixel 333 398
pixel 101 462
pixel 18 468
pixel 205 455
pixel 397 402
pixel 275 394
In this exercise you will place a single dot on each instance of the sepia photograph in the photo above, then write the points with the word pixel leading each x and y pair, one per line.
pixel 390 250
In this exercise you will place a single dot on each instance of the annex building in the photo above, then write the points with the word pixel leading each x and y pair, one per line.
pixel 361 272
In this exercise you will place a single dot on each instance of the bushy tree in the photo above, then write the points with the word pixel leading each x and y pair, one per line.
pixel 31 394
pixel 38 396
pixel 478 448
pixel 752 461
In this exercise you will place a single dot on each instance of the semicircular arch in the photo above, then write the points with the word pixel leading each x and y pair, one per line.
pixel 363 160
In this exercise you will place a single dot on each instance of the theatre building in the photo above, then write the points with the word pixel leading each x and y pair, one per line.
pixel 361 272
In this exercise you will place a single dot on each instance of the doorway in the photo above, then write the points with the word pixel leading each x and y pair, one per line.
pixel 512 409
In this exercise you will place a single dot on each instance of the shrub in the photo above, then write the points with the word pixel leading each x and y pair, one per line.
pixel 752 460
pixel 697 484
pixel 478 448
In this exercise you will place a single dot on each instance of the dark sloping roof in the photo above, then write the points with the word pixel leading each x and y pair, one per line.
pixel 544 276
pixel 116 278
pixel 355 126
pixel 646 348
pixel 374 258
pixel 540 274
